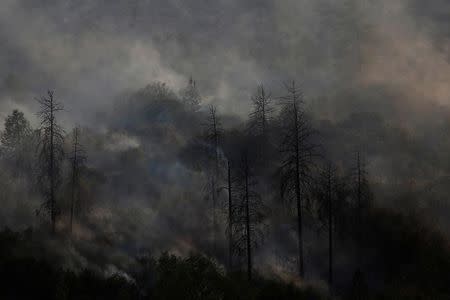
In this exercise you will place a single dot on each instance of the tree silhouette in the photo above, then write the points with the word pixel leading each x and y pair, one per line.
pixel 213 132
pixel 51 152
pixel 230 216
pixel 327 193
pixel 262 112
pixel 249 211
pixel 77 158
pixel 362 200
pixel 16 141
pixel 297 152
pixel 17 129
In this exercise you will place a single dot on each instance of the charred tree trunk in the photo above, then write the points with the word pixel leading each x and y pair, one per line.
pixel 52 164
pixel 362 199
pixel 74 177
pixel 230 220
pixel 297 185
pixel 330 231
pixel 247 221
pixel 358 273
pixel 51 153
pixel 297 152
pixel 215 177
pixel 358 210
pixel 263 107
pixel 214 129
pixel 214 200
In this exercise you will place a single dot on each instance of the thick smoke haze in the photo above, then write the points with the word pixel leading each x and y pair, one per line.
pixel 91 50
pixel 375 75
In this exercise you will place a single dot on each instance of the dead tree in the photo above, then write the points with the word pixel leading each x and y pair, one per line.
pixel 77 158
pixel 230 218
pixel 249 212
pixel 213 132
pixel 362 202
pixel 330 174
pixel 262 112
pixel 297 152
pixel 51 153
pixel 327 191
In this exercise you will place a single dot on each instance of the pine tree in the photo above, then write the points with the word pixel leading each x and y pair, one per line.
pixel 51 153
pixel 213 133
pixel 262 112
pixel 249 211
pixel 16 143
pixel 297 152
pixel 362 200
pixel 326 194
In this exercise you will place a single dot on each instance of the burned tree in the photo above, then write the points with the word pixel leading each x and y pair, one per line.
pixel 213 132
pixel 77 159
pixel 51 153
pixel 362 199
pixel 326 193
pixel 297 152
pixel 262 112
pixel 248 211
pixel 362 195
pixel 230 217
pixel 330 177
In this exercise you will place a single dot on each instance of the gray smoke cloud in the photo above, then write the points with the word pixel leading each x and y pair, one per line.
pixel 375 75
pixel 91 50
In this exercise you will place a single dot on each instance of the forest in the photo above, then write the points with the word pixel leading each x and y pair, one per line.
pixel 224 151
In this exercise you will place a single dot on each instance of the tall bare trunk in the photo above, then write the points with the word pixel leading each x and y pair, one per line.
pixel 230 221
pixel 51 168
pixel 215 178
pixel 297 186
pixel 330 234
pixel 247 223
pixel 213 187
pixel 74 177
pixel 359 274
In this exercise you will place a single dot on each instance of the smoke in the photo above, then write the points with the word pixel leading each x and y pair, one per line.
pixel 375 76
pixel 91 51
pixel 408 59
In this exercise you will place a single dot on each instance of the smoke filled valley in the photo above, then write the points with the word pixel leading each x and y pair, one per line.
pixel 224 150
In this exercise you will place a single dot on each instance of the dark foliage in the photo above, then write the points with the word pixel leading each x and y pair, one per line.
pixel 168 277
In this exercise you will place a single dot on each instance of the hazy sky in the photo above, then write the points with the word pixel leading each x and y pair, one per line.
pixel 90 51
